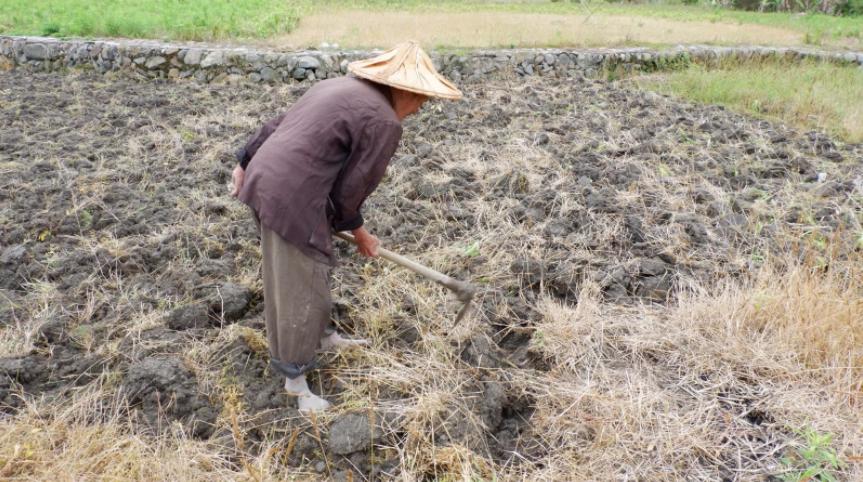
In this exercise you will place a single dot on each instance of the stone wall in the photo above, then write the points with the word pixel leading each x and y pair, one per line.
pixel 208 63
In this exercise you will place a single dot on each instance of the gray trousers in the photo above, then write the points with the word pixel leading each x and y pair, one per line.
pixel 297 304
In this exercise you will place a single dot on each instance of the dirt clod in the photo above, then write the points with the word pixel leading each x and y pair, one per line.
pixel 351 433
pixel 195 315
pixel 230 302
pixel 164 387
pixel 53 331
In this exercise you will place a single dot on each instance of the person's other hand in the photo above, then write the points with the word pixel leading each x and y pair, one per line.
pixel 237 177
pixel 367 243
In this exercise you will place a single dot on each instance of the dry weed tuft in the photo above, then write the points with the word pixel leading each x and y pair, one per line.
pixel 814 313
pixel 725 376
pixel 91 437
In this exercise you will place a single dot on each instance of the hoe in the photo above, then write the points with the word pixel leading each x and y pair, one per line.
pixel 464 291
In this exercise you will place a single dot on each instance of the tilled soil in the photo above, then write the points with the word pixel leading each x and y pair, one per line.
pixel 125 263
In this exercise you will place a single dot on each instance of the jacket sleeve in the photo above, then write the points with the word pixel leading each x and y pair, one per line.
pixel 247 152
pixel 363 171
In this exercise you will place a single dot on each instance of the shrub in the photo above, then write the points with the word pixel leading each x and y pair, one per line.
pixel 850 7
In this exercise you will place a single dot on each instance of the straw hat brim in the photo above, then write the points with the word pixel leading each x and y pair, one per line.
pixel 406 67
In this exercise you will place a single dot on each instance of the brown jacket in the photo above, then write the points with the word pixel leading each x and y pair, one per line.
pixel 309 170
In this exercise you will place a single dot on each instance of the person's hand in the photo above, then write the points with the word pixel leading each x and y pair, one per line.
pixel 237 178
pixel 367 243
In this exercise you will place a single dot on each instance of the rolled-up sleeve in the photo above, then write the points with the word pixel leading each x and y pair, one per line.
pixel 247 152
pixel 364 168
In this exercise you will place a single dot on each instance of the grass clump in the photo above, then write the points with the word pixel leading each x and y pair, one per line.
pixel 815 460
pixel 182 20
pixel 92 438
pixel 816 314
pixel 808 95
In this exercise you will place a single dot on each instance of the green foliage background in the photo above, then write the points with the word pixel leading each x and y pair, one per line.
pixel 175 19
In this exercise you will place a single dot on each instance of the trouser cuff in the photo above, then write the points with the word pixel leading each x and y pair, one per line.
pixel 292 370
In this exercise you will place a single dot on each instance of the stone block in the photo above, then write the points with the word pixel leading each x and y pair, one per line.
pixel 213 59
pixel 38 51
pixel 109 52
pixel 328 62
pixel 155 62
pixel 267 74
pixel 308 62
pixel 283 60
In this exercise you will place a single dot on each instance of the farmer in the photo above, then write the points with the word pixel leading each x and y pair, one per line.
pixel 305 175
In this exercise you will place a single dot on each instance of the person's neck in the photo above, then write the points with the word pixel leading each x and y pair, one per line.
pixel 386 91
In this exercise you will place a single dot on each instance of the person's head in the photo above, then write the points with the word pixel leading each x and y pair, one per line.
pixel 410 74
pixel 406 102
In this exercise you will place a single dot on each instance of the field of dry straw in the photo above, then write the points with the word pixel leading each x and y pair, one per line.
pixel 506 29
pixel 668 292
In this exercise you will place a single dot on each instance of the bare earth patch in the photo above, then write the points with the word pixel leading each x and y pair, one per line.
pixel 502 29
pixel 669 292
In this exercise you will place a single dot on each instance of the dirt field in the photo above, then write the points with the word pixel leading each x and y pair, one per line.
pixel 669 291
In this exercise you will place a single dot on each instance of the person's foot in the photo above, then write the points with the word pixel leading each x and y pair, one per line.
pixel 334 341
pixel 306 400
pixel 312 403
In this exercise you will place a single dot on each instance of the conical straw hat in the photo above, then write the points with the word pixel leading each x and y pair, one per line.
pixel 406 67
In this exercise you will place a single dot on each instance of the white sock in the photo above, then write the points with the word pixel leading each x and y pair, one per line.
pixel 335 341
pixel 306 400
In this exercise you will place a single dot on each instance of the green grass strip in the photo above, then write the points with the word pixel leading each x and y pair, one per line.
pixel 808 95
pixel 166 19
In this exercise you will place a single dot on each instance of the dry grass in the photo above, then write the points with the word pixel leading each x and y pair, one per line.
pixel 726 374
pixel 504 29
pixel 90 438
pixel 713 384
pixel 817 316
pixel 720 376
pixel 713 377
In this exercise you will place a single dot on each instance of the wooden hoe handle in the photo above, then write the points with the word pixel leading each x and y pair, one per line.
pixel 464 291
